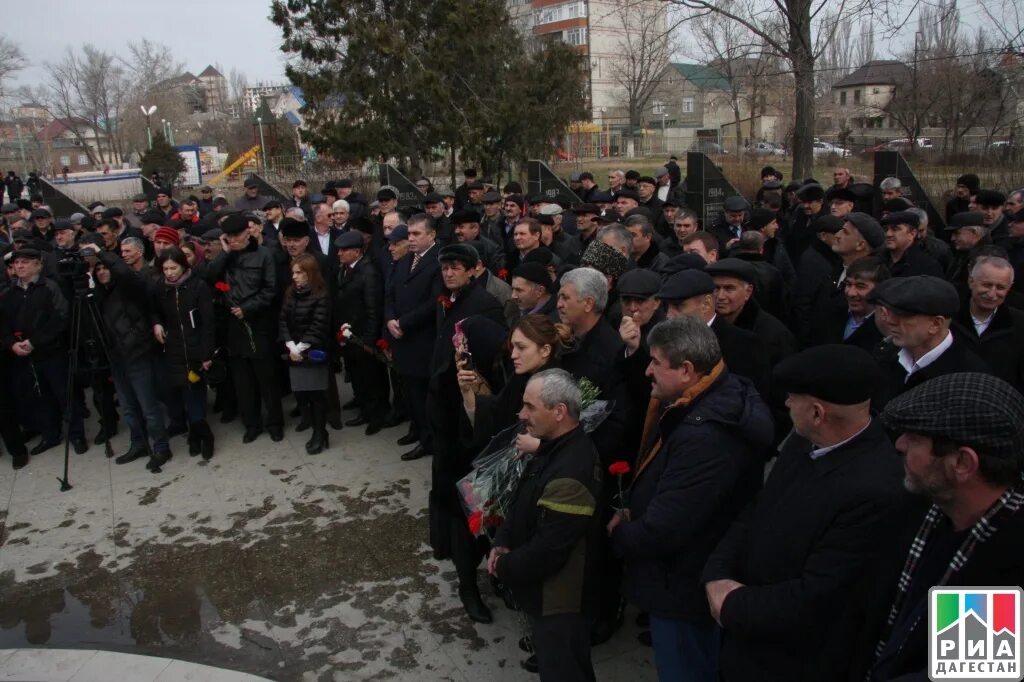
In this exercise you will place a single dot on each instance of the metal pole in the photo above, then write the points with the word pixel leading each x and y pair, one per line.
pixel 263 147
pixel 149 132
pixel 21 148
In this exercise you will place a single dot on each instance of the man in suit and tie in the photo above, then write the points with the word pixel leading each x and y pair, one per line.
pixel 410 309
pixel 323 234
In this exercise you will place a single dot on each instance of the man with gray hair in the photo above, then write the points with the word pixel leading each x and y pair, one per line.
pixel 990 327
pixel 545 546
pixel 701 461
pixel 891 188
pixel 930 244
pixel 599 356
pixel 133 253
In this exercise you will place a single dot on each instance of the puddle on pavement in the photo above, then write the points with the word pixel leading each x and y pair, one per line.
pixel 279 599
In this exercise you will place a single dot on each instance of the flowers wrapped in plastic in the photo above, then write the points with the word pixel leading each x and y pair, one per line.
pixel 487 492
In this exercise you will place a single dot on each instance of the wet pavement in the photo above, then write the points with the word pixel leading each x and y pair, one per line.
pixel 264 560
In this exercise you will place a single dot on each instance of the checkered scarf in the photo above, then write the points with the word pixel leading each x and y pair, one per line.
pixel 1008 503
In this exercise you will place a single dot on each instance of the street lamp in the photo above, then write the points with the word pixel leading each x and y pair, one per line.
pixel 149 130
pixel 263 147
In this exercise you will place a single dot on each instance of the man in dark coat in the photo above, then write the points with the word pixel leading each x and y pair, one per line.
pixel 449 534
pixel 918 312
pixel 250 274
pixel 701 463
pixel 770 287
pixel 815 266
pixel 359 302
pixel 728 227
pixel 854 323
pixel 410 313
pixel 811 206
pixel 641 311
pixel 691 292
pixel 990 327
pixel 972 533
pixel 784 581
pixel 545 550
pixel 966 186
pixel 734 290
pixel 903 255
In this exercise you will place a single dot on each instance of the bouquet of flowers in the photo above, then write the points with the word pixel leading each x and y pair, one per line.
pixel 378 350
pixel 488 490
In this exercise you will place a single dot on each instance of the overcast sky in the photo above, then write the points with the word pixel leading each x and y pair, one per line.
pixel 233 33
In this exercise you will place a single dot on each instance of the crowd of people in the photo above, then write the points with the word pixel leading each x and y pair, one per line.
pixel 816 410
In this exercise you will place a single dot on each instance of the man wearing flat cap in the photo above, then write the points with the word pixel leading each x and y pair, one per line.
pixel 252 326
pixel 735 302
pixel 359 302
pixel 692 292
pixel 785 582
pixel 463 297
pixel 251 200
pixel 811 198
pixel 918 312
pixel 967 231
pixel 641 310
pixel 466 225
pixel 903 255
pixel 531 291
pixel 960 437
pixel 990 204
pixel 728 227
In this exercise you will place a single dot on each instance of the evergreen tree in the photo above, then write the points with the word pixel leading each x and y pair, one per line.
pixel 403 78
pixel 163 159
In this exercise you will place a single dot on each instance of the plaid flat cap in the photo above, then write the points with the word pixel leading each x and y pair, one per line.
pixel 968 408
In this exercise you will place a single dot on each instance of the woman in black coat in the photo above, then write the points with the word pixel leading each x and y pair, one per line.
pixel 303 328
pixel 184 309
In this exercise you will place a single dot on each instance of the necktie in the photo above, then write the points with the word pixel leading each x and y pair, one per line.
pixel 415 262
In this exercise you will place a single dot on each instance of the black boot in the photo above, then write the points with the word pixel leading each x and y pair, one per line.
pixel 157 460
pixel 474 604
pixel 134 452
pixel 206 440
pixel 319 442
pixel 195 438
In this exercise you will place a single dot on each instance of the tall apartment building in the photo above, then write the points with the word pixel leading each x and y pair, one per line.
pixel 254 95
pixel 600 30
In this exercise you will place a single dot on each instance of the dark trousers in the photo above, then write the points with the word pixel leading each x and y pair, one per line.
pixel 43 382
pixel 256 380
pixel 333 404
pixel 191 401
pixel 400 401
pixel 136 381
pixel 417 392
pixel 369 383
pixel 14 441
pixel 562 646
pixel 685 651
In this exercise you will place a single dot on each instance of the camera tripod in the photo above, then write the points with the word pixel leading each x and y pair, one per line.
pixel 82 303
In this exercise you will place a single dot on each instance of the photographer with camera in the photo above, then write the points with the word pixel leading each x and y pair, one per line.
pixel 124 305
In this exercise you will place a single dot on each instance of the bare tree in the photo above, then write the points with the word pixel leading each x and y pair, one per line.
pixel 11 60
pixel 808 27
pixel 237 83
pixel 644 51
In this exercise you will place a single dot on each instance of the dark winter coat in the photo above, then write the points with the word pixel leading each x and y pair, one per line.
pixel 252 276
pixel 816 268
pixel 126 310
pixel 412 300
pixel 304 319
pixel 914 262
pixel 359 301
pixel 37 313
pixel 770 288
pixel 186 314
pixel 779 341
pixel 553 529
pixel 708 467
pixel 957 358
pixel 1001 345
pixel 799 550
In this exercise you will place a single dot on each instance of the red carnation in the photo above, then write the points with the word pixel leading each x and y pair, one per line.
pixel 340 336
pixel 503 273
pixel 619 468
pixel 475 520
pixel 382 344
pixel 222 287
pixel 445 301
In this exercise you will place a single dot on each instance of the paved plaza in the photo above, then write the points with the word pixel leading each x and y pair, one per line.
pixel 264 561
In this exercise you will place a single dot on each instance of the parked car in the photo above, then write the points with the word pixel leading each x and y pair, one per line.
pixel 869 152
pixel 708 147
pixel 766 149
pixel 903 144
pixel 828 149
